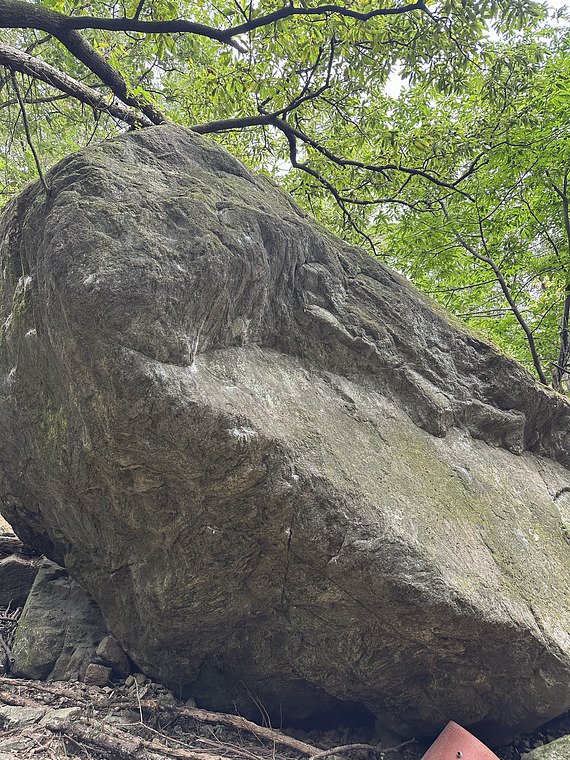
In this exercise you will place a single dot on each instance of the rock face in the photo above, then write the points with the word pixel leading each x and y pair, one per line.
pixel 17 576
pixel 278 468
pixel 60 628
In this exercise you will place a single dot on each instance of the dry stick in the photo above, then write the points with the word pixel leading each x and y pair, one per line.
pixel 237 750
pixel 27 130
pixel 347 747
pixel 272 735
pixel 7 698
pixel 139 701
pixel 234 749
pixel 130 748
pixel 122 744
pixel 6 649
pixel 67 693
pixel 238 722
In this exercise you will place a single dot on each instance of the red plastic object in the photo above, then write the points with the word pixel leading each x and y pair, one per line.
pixel 455 743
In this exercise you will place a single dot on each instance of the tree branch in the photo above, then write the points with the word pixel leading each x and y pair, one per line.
pixel 564 350
pixel 16 60
pixel 226 125
pixel 27 130
pixel 23 15
pixel 487 259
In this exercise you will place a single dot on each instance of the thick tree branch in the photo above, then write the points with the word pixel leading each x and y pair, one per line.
pixel 16 60
pixel 23 15
pixel 20 14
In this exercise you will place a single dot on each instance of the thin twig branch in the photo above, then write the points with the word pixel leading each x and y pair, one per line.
pixel 487 259
pixel 344 748
pixel 27 131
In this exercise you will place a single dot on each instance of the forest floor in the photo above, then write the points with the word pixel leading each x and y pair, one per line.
pixel 144 721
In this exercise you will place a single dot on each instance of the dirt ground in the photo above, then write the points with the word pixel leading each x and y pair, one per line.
pixel 144 721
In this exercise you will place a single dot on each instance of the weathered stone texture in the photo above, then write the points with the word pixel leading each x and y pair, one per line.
pixel 16 578
pixel 271 460
pixel 556 750
pixel 60 628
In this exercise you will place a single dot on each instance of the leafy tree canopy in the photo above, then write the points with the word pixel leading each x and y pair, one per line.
pixel 498 252
pixel 461 182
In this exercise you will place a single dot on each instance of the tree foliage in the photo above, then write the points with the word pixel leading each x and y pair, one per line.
pixel 461 182
pixel 497 254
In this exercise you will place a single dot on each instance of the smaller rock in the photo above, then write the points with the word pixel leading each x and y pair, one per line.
pixel 15 717
pixel 556 750
pixel 59 628
pixel 17 577
pixel 130 716
pixel 15 744
pixel 97 675
pixel 113 719
pixel 167 699
pixel 112 654
pixel 64 713
pixel 129 681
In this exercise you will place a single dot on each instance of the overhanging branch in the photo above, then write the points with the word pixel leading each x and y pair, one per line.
pixel 23 15
pixel 16 60
pixel 15 14
pixel 227 125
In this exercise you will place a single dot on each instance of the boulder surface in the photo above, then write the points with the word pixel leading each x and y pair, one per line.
pixel 280 470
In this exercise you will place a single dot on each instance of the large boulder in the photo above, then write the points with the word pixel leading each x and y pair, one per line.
pixel 279 469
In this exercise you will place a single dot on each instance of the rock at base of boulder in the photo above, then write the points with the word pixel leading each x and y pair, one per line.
pixel 17 576
pixel 60 628
pixel 112 654
pixel 97 675
pixel 557 750
pixel 12 716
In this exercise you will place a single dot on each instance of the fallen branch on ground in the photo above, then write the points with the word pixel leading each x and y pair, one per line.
pixel 236 721
pixel 344 748
pixel 7 698
pixel 67 693
pixel 121 743
pixel 126 745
